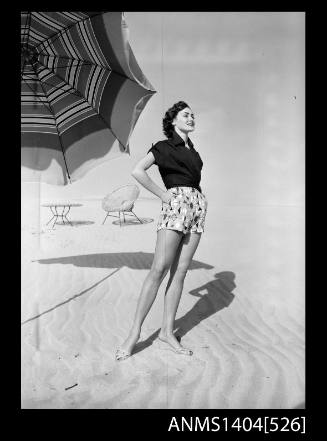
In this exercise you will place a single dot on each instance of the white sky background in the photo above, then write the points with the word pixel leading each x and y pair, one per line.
pixel 242 74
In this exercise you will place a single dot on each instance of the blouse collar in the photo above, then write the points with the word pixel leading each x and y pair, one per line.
pixel 178 140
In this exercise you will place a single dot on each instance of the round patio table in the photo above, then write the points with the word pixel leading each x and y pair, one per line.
pixel 60 210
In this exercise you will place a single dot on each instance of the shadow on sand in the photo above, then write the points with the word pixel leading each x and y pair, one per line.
pixel 219 290
pixel 75 223
pixel 219 296
pixel 115 261
pixel 133 221
pixel 137 260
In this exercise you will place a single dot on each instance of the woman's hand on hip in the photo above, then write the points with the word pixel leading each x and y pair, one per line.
pixel 166 197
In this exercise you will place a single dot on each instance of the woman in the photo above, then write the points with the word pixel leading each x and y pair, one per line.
pixel 180 224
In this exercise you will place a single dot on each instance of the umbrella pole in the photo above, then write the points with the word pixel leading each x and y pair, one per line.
pixel 69 180
pixel 63 153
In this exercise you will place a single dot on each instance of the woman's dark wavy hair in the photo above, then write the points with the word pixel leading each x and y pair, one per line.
pixel 167 125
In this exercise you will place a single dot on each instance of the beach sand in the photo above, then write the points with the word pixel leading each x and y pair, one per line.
pixel 242 311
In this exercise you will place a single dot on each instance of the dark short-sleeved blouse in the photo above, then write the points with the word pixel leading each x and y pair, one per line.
pixel 178 165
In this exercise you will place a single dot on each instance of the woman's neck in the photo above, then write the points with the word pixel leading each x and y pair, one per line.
pixel 183 135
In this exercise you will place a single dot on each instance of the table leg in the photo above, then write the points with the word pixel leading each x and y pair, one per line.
pixel 62 216
pixel 56 213
pixel 52 216
pixel 65 215
pixel 56 217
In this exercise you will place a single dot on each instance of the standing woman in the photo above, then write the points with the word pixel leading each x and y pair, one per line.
pixel 180 224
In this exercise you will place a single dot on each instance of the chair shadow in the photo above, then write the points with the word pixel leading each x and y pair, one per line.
pixel 133 222
pixel 219 296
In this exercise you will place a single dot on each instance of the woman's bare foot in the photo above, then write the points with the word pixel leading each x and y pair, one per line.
pixel 125 350
pixel 172 341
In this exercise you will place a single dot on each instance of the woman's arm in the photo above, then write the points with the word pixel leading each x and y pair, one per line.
pixel 139 173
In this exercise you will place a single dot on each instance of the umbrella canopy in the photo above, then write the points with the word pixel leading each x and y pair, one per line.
pixel 82 92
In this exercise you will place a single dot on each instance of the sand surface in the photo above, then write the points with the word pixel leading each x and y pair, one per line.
pixel 242 311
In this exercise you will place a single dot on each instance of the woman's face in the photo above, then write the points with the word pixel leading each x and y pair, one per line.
pixel 184 120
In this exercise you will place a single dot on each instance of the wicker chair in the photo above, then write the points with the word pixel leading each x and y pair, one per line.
pixel 122 201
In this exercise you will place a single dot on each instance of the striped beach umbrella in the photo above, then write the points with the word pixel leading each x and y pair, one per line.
pixel 82 93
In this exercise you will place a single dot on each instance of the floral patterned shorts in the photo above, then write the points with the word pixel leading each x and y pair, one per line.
pixel 185 212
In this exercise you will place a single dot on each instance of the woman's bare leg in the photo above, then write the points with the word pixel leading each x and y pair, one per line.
pixel 175 285
pixel 166 246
